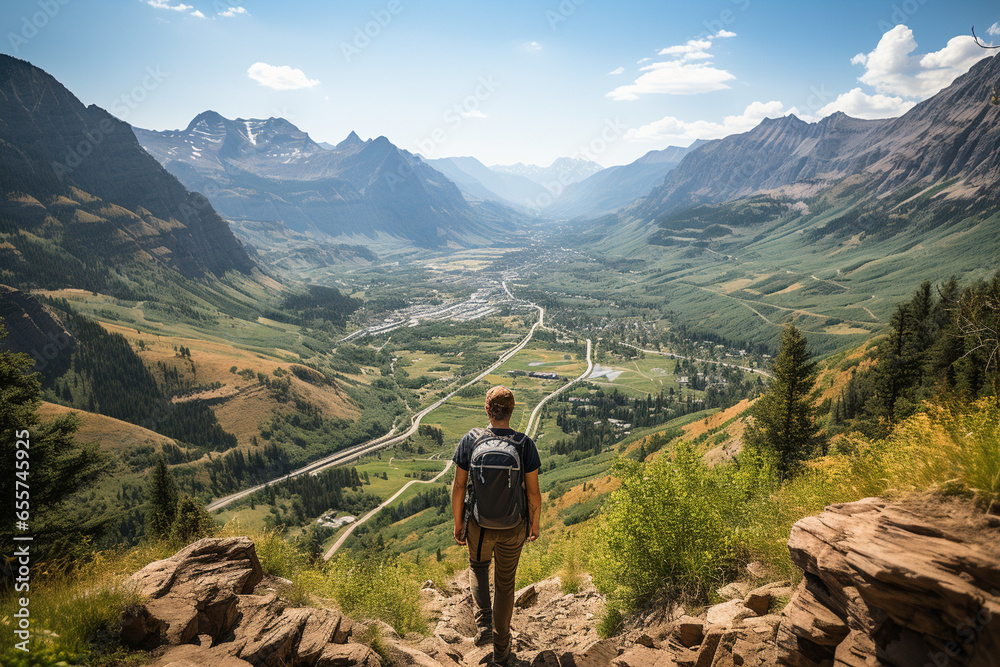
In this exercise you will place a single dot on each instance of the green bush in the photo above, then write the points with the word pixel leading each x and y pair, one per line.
pixel 385 589
pixel 676 526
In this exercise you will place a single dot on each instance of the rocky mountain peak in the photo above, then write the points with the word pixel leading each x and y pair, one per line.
pixel 351 140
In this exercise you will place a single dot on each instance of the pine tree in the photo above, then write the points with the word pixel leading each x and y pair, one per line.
pixel 783 424
pixel 55 468
pixel 161 500
pixel 191 521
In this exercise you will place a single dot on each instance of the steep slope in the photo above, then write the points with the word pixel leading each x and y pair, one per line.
pixel 778 152
pixel 76 177
pixel 612 188
pixel 271 171
pixel 953 135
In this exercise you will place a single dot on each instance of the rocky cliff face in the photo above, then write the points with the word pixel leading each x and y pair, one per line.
pixel 910 584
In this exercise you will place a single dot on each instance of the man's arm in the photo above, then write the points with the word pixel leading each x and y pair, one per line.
pixel 458 502
pixel 534 504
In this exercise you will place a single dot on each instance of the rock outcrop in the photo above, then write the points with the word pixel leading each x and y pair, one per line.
pixel 203 604
pixel 916 583
pixel 885 585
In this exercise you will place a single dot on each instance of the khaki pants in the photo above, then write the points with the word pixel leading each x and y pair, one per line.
pixel 504 548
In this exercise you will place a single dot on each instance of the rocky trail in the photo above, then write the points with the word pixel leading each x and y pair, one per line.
pixel 883 585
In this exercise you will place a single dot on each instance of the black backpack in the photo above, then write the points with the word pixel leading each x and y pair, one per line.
pixel 497 493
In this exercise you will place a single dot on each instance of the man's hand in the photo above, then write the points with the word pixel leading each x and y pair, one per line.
pixel 460 535
pixel 533 535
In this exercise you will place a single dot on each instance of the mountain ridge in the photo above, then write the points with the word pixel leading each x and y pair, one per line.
pixel 71 163
pixel 269 170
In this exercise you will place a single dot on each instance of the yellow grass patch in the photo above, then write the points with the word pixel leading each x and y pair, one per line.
pixel 575 495
pixel 109 433
pixel 694 429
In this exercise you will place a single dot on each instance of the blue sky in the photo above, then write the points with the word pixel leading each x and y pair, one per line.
pixel 502 80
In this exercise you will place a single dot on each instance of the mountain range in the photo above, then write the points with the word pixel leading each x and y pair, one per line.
pixel 271 171
pixel 81 200
pixel 950 140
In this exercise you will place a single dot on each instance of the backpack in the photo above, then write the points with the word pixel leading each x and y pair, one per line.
pixel 497 493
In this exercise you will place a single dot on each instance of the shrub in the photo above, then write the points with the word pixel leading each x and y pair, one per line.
pixel 385 589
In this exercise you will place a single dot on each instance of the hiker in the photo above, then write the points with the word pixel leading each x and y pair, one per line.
pixel 497 505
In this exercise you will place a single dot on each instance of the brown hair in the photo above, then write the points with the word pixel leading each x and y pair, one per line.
pixel 499 403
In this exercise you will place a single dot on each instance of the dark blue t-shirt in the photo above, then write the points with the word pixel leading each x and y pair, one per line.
pixel 529 453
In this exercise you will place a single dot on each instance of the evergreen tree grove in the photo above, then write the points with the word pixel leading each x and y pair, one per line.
pixel 783 425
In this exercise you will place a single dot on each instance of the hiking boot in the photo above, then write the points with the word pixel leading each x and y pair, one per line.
pixel 484 636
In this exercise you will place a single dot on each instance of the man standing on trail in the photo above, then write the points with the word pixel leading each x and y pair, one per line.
pixel 497 506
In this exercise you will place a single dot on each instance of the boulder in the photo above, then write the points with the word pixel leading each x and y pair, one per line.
pixel 526 596
pixel 731 591
pixel 191 655
pixel 642 656
pixel 758 602
pixel 690 631
pixel 905 584
pixel 201 602
pixel 728 614
pixel 598 654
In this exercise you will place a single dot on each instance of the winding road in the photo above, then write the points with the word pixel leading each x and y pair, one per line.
pixel 350 529
pixel 389 438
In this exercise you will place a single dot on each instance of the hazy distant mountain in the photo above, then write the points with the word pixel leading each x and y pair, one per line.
pixel 951 139
pixel 564 170
pixel 271 171
pixel 81 201
pixel 479 181
pixel 612 188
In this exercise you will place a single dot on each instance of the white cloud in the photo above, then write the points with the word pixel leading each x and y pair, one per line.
pixel 179 7
pixel 532 46
pixel 859 104
pixel 692 46
pixel 890 67
pixel 642 60
pixel 687 72
pixel 616 71
pixel 675 130
pixel 993 29
pixel 280 77
pixel 163 4
pixel 674 77
pixel 233 11
pixel 473 113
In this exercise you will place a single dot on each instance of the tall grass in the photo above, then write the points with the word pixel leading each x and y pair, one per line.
pixel 676 527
